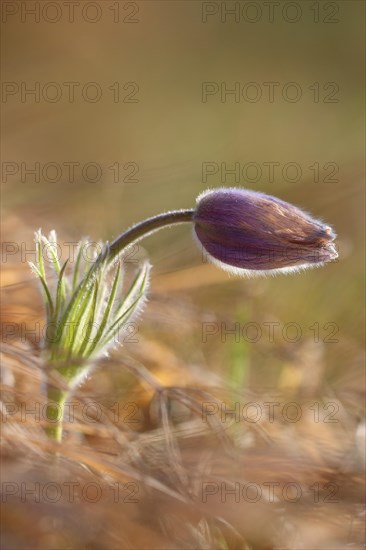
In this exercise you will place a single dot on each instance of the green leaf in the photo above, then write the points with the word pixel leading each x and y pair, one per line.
pixel 129 306
pixel 40 254
pixel 114 328
pixel 77 265
pixel 76 303
pixel 76 307
pixel 108 308
pixel 89 321
pixel 45 287
pixel 139 284
pixel 60 293
pixel 51 247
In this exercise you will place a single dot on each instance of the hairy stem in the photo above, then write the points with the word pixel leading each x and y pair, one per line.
pixel 55 395
pixel 56 399
pixel 142 229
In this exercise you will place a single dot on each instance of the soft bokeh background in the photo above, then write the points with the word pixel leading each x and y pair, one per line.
pixel 169 133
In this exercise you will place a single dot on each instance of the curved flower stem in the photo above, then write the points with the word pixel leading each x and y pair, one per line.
pixel 57 396
pixel 142 229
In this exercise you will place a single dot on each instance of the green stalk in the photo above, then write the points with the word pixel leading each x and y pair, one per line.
pixel 56 399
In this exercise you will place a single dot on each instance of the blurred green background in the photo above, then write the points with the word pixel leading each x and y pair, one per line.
pixel 168 52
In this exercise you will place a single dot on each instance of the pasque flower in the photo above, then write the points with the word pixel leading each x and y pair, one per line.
pixel 242 231
pixel 247 232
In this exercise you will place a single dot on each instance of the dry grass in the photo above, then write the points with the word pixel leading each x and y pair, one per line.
pixel 158 474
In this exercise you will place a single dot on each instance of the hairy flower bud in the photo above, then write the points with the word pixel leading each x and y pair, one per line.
pixel 248 233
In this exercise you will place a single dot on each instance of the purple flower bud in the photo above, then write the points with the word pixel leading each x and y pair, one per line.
pixel 251 233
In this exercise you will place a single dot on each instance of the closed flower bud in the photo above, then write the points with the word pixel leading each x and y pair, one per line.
pixel 249 233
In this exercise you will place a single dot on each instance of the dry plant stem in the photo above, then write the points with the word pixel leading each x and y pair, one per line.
pixel 56 397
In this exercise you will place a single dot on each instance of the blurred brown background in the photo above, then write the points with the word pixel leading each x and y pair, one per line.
pixel 162 131
pixel 168 51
